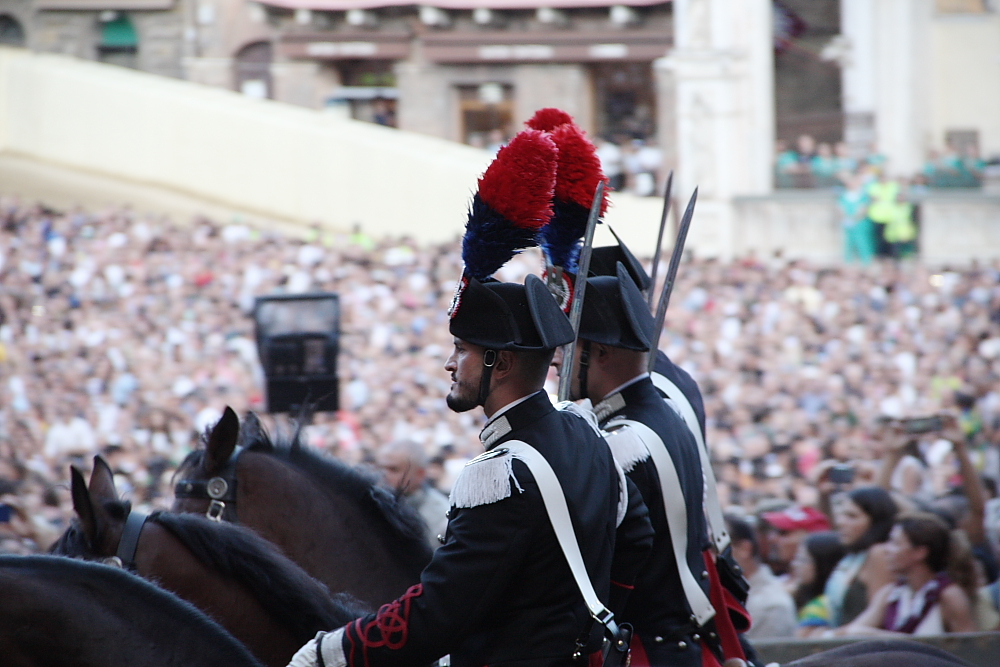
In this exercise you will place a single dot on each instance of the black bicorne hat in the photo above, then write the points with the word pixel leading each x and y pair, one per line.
pixel 604 259
pixel 615 314
pixel 508 316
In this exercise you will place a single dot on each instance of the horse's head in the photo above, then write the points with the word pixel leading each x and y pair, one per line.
pixel 101 516
pixel 207 477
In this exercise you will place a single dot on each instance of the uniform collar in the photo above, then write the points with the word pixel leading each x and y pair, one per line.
pixel 514 415
pixel 617 399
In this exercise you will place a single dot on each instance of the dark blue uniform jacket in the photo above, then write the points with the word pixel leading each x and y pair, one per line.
pixel 657 607
pixel 499 591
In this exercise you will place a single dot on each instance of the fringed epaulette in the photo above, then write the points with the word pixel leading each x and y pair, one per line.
pixel 626 445
pixel 485 479
pixel 673 406
pixel 582 410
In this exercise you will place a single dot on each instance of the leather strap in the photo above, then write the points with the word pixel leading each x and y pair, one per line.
pixel 555 506
pixel 130 538
pixel 562 525
pixel 713 508
pixel 677 520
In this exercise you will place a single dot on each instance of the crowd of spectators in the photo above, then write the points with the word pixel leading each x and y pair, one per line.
pixel 126 335
pixel 809 164
pixel 632 165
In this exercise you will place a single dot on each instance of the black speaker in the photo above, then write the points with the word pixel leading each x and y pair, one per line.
pixel 298 341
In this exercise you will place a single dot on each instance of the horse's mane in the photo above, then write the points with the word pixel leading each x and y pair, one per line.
pixel 387 510
pixel 290 596
pixel 117 588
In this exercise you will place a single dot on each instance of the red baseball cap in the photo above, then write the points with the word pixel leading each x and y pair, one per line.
pixel 797 518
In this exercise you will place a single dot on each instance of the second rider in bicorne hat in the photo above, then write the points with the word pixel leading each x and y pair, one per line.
pixel 670 606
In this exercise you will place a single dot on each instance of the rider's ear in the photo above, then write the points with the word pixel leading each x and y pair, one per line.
pixel 222 442
pixel 83 505
pixel 102 481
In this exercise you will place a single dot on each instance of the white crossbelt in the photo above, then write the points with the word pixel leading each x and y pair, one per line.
pixel 558 511
pixel 713 509
pixel 677 520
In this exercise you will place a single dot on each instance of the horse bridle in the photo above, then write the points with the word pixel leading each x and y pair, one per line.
pixel 129 541
pixel 220 491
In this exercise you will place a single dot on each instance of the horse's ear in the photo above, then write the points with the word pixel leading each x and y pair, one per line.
pixel 83 505
pixel 102 481
pixel 252 433
pixel 222 441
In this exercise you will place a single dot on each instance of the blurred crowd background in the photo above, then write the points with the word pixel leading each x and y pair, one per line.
pixel 125 335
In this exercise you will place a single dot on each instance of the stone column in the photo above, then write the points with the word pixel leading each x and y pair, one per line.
pixel 723 64
pixel 210 71
pixel 296 82
pixel 568 87
pixel 666 114
pixel 885 64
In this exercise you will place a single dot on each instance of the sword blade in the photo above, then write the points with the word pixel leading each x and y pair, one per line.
pixel 668 283
pixel 579 288
pixel 659 238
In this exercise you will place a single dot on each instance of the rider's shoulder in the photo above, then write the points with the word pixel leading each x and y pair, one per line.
pixel 626 444
pixel 486 479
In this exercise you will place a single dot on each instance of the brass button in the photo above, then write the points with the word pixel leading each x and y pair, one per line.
pixel 658 640
pixel 682 645
pixel 441 539
pixel 712 635
pixel 704 574
pixel 696 637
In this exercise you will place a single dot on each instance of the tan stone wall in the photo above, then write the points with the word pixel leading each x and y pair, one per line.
pixel 259 156
pixel 965 78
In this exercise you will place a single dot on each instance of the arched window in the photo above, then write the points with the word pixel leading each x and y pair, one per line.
pixel 253 70
pixel 119 43
pixel 11 32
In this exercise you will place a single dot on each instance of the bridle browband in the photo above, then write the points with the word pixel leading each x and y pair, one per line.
pixel 220 491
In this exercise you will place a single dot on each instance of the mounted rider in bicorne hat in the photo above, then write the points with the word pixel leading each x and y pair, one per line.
pixel 499 591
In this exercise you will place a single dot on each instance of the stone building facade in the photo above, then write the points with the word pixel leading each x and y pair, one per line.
pixel 144 34
pixel 470 71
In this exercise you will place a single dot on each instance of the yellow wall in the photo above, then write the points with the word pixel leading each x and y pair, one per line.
pixel 965 91
pixel 258 156
pixel 74 131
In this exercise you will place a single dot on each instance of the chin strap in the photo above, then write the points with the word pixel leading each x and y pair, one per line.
pixel 584 364
pixel 489 361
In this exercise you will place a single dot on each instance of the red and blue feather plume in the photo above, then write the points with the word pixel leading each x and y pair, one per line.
pixel 513 205
pixel 577 175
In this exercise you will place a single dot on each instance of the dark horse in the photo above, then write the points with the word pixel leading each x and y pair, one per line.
pixel 57 612
pixel 881 653
pixel 332 520
pixel 234 576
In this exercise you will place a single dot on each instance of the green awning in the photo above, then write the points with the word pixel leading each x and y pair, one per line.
pixel 119 34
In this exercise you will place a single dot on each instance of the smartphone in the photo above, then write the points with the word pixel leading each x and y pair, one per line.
pixel 841 474
pixel 917 425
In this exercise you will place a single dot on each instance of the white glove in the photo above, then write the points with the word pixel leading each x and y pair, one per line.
pixel 331 643
pixel 306 656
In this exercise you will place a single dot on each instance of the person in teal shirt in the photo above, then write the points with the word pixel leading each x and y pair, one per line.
pixel 859 231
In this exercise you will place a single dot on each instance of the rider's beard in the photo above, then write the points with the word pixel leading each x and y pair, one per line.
pixel 464 397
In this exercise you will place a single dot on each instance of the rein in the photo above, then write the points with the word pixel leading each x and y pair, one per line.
pixel 220 491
